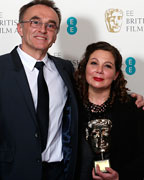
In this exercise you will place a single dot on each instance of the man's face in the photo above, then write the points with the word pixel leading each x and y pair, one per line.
pixel 38 39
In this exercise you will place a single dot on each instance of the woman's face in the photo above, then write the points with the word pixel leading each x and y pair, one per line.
pixel 100 70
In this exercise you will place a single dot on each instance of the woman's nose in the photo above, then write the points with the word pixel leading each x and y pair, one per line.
pixel 99 69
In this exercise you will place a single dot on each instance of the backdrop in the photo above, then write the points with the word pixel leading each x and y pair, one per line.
pixel 118 22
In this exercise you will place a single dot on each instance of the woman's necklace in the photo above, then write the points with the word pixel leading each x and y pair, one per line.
pixel 97 108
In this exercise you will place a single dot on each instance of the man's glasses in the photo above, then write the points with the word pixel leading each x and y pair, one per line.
pixel 38 24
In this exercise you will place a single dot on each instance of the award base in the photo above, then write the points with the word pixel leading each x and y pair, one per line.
pixel 102 164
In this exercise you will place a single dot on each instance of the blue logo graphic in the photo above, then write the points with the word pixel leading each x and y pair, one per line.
pixel 72 22
pixel 130 65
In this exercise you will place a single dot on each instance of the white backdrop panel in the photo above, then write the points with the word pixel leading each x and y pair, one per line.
pixel 85 20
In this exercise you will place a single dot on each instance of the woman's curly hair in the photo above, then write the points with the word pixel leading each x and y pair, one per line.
pixel 118 88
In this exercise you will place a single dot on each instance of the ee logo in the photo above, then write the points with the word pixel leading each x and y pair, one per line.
pixel 72 22
pixel 130 65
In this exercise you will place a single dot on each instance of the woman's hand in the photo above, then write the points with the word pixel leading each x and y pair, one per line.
pixel 110 175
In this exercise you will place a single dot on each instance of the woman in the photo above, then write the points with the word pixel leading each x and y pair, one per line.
pixel 104 96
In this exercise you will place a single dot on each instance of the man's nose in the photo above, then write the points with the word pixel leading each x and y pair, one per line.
pixel 43 28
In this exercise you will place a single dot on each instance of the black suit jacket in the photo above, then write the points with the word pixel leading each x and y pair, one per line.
pixel 20 147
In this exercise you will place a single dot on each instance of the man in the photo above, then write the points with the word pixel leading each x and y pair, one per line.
pixel 21 154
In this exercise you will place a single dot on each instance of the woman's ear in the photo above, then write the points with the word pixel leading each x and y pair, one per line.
pixel 117 73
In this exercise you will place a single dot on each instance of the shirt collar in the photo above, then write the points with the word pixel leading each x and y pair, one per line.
pixel 30 62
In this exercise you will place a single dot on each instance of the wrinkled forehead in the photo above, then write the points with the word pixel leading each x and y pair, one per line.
pixel 42 11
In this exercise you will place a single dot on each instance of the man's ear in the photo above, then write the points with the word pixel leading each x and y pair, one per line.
pixel 20 29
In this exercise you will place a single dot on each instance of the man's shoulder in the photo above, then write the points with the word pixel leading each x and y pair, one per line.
pixel 63 62
pixel 6 55
pixel 58 58
pixel 4 58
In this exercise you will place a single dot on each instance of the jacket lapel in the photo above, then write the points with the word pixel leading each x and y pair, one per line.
pixel 23 83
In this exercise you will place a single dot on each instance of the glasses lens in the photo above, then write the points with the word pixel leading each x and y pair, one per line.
pixel 51 27
pixel 35 24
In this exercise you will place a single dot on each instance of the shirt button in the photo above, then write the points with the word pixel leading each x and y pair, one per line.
pixel 38 160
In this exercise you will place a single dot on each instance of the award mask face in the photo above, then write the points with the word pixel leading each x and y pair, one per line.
pixel 113 19
pixel 98 134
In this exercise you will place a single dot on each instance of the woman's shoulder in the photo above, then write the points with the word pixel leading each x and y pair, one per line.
pixel 127 106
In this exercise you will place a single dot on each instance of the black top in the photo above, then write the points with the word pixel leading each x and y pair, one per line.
pixel 126 152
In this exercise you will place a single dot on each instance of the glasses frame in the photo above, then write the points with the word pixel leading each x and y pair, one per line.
pixel 39 24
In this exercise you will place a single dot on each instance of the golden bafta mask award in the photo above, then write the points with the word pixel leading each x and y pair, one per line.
pixel 98 135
